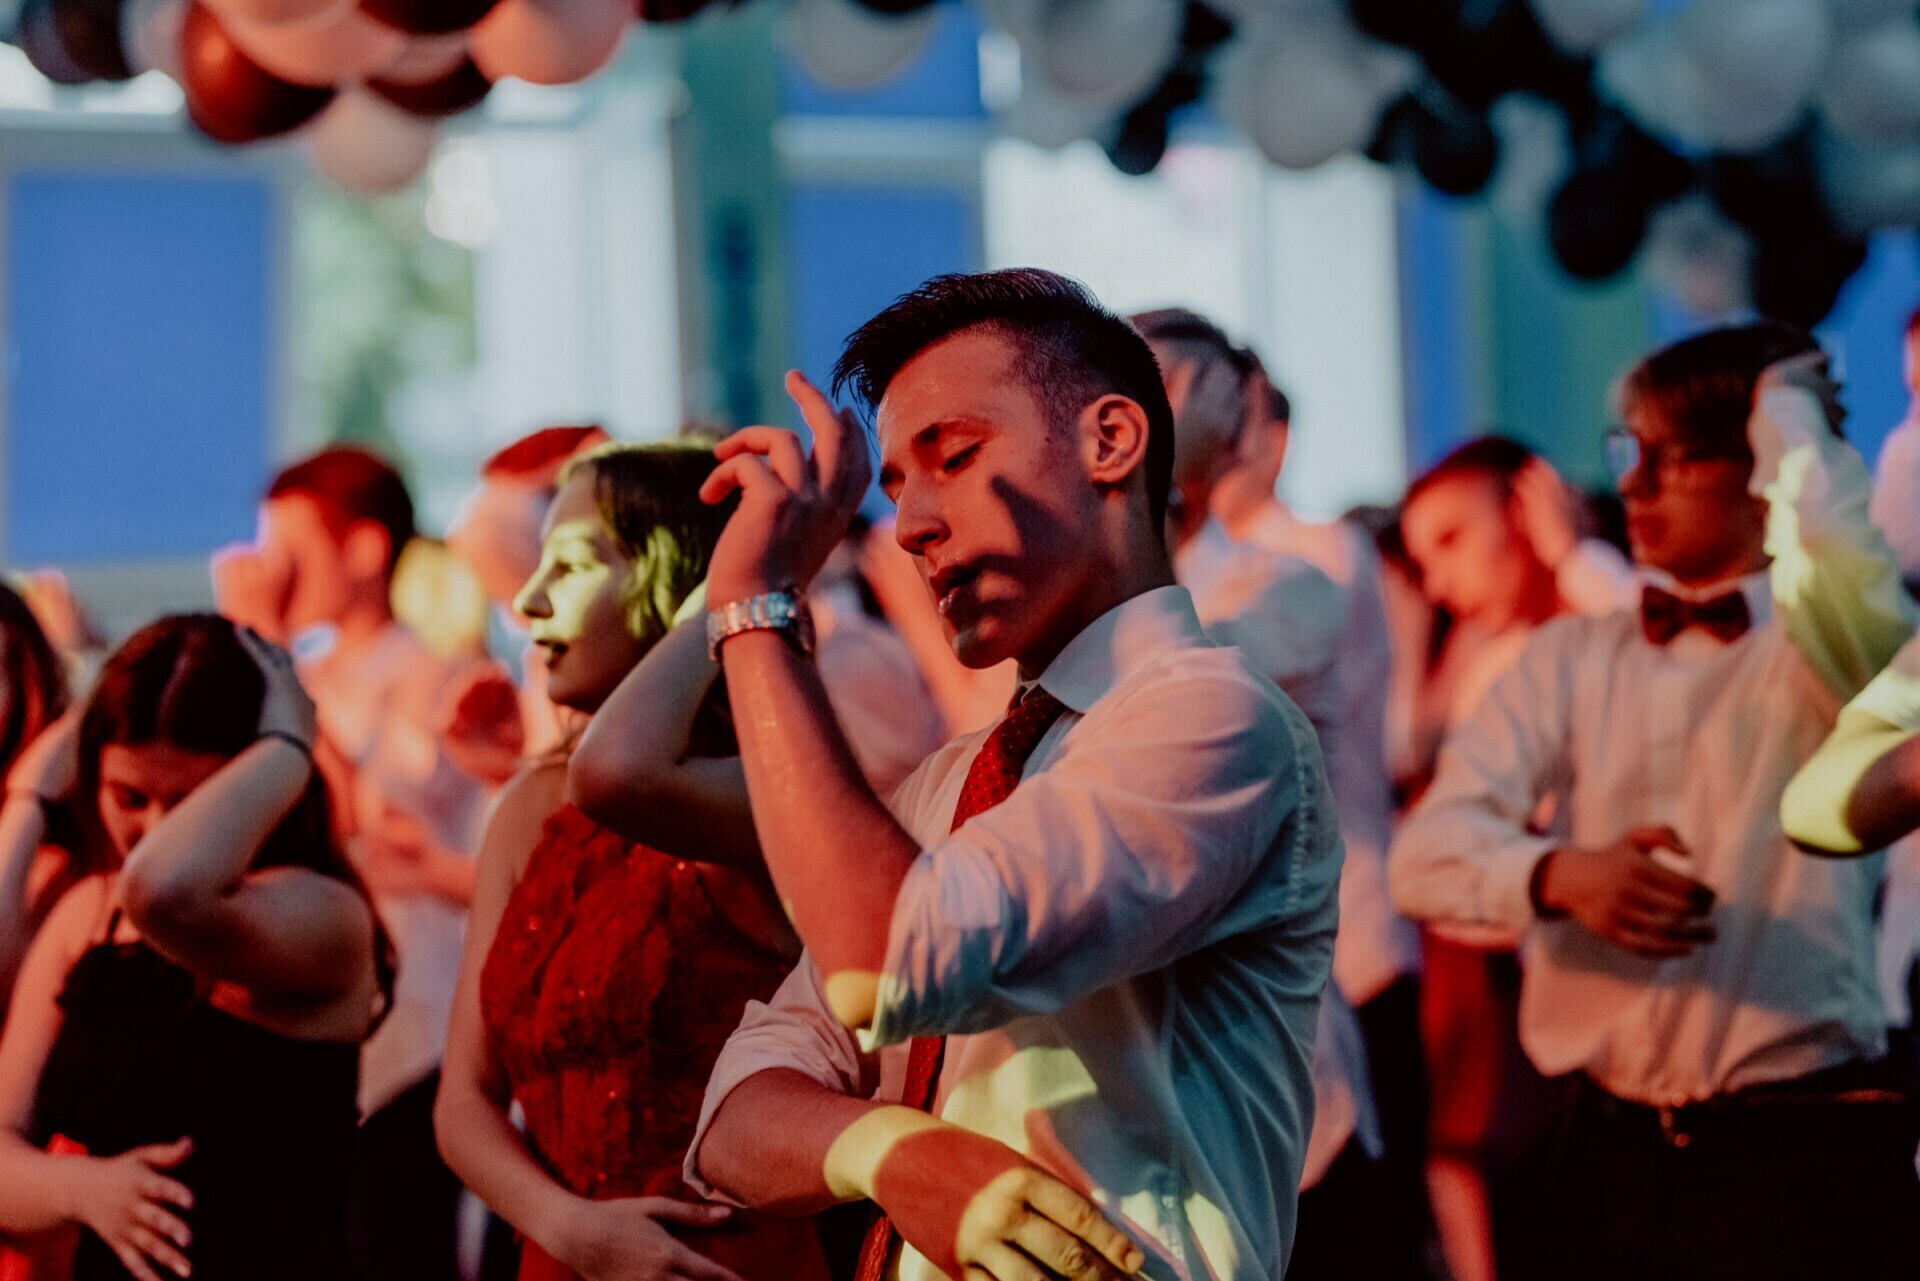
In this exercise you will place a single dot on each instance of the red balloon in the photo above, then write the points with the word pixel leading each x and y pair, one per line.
pixel 230 97
pixel 449 95
pixel 428 17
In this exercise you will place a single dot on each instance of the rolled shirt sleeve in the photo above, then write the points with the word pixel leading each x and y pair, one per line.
pixel 1467 852
pixel 1137 846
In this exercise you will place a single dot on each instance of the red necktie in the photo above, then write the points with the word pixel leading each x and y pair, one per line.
pixel 1664 616
pixel 991 778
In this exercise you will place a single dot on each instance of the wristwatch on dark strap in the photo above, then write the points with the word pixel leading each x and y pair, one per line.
pixel 783 612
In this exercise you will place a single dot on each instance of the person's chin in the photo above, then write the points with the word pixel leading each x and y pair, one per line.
pixel 979 645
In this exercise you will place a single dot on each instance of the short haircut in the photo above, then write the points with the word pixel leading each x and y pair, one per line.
pixel 1278 408
pixel 1913 322
pixel 1499 459
pixel 349 485
pixel 1188 337
pixel 1703 386
pixel 1069 350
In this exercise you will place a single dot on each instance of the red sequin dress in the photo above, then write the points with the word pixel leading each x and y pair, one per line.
pixel 613 981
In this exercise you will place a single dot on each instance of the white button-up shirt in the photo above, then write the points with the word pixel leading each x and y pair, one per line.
pixel 1703 737
pixel 1126 955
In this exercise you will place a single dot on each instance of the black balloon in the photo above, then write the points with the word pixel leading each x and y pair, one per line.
pixel 1774 194
pixel 90 32
pixel 1417 24
pixel 1456 151
pixel 894 6
pixel 39 37
pixel 1595 225
pixel 1142 141
pixel 1799 280
pixel 230 97
pixel 668 10
pixel 447 95
pixel 427 17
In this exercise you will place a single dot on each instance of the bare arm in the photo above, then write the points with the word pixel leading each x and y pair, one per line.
pixel 1860 792
pixel 768 1144
pixel 633 771
pixel 470 1114
pixel 23 826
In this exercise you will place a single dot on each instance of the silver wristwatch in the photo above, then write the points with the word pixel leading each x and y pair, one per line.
pixel 783 612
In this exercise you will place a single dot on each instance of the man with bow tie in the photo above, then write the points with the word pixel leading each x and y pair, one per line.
pixel 1707 989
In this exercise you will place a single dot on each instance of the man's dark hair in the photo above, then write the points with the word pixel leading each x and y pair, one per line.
pixel 1702 386
pixel 1069 350
pixel 1913 322
pixel 350 485
pixel 1499 459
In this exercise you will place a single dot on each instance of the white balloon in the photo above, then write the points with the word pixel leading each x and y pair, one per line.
pixel 1757 62
pixel 1536 154
pixel 369 146
pixel 1305 92
pixel 1869 187
pixel 549 42
pixel 849 46
pixel 1587 26
pixel 1701 255
pixel 1872 90
pixel 1049 118
pixel 1112 51
pixel 150 34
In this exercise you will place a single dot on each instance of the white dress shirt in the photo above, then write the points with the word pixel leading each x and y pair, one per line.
pixel 381 709
pixel 1701 736
pixel 1322 637
pixel 1126 955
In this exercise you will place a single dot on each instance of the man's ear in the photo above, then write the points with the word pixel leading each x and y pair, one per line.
pixel 367 549
pixel 1113 432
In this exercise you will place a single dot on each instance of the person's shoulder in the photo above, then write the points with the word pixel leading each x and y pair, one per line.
pixel 1209 686
pixel 79 918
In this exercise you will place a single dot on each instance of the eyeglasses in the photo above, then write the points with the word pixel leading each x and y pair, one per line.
pixel 1626 452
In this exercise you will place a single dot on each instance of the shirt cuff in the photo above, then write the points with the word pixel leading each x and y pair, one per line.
pixel 1506 891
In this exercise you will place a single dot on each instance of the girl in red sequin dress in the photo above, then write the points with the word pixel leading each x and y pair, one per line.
pixel 602 977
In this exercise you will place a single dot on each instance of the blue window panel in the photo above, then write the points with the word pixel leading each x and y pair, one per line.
pixel 139 321
pixel 943 83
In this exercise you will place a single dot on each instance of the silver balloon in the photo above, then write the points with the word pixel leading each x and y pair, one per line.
pixel 848 46
pixel 1536 154
pixel 1756 63
pixel 150 34
pixel 1869 187
pixel 1049 118
pixel 1111 51
pixel 1587 26
pixel 1309 89
pixel 1872 89
pixel 1702 257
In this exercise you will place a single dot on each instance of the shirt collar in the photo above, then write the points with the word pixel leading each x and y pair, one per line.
pixel 1757 587
pixel 1119 643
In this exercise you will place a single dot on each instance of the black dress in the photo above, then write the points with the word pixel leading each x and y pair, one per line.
pixel 143 1057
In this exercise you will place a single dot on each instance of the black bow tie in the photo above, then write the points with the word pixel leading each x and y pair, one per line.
pixel 1664 616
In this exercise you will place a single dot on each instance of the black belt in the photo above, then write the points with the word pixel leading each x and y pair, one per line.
pixel 1810 1104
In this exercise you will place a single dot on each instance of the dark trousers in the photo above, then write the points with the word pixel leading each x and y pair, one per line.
pixel 1346 1230
pixel 401 1217
pixel 1800 1188
pixel 1390 1026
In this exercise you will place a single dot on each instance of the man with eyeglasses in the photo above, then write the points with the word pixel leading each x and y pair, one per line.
pixel 1707 989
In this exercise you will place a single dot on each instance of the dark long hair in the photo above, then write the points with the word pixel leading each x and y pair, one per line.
pixel 185 680
pixel 33 682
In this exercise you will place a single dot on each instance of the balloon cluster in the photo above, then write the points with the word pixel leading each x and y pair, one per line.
pixel 365 83
pixel 1743 149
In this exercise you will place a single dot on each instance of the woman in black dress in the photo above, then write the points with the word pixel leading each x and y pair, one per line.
pixel 192 1020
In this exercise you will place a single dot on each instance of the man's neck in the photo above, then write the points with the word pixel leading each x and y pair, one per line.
pixel 360 626
pixel 1144 568
pixel 1724 574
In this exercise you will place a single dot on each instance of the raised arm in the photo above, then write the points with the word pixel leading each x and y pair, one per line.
pixel 634 771
pixel 190 888
pixel 1836 582
pixel 1861 791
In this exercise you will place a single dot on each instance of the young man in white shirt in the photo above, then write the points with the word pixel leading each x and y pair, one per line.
pixel 1290 618
pixel 1124 954
pixel 1709 988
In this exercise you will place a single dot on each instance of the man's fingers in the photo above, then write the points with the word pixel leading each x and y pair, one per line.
pixel 164 1156
pixel 1079 1217
pixel 1067 1255
pixel 131 1260
pixel 738 474
pixel 841 467
pixel 160 1250
pixel 689 1214
pixel 1004 1263
pixel 1647 839
pixel 781 449
pixel 157 1220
